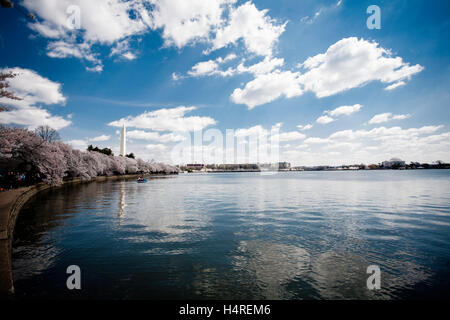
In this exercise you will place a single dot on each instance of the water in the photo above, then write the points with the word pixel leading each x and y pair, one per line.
pixel 293 235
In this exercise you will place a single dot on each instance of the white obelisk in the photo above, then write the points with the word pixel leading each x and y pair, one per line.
pixel 123 141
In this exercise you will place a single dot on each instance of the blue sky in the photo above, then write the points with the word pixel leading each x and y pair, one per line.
pixel 249 66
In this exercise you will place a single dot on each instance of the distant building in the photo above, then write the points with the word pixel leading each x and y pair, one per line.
pixel 195 166
pixel 284 165
pixel 394 163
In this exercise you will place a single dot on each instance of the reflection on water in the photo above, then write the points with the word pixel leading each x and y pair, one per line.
pixel 272 265
pixel 122 203
pixel 299 235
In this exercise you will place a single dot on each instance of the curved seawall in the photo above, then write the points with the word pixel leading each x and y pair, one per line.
pixel 11 202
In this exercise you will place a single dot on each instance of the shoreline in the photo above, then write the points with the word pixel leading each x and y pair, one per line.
pixel 308 170
pixel 12 201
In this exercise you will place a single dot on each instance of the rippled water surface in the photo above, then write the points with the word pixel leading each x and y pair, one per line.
pixel 292 235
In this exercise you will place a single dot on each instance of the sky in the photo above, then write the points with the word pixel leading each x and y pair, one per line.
pixel 310 76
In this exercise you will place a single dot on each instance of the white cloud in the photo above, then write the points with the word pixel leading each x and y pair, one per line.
pixel 388 116
pixel 290 136
pixel 229 57
pixel 113 23
pixel 304 127
pixel 315 140
pixel 103 137
pixel 103 22
pixel 33 117
pixel 421 144
pixel 383 133
pixel 78 144
pixel 166 120
pixel 156 147
pixel 211 67
pixel 274 133
pixel 204 68
pixel 184 22
pixel 33 89
pixel 400 116
pixel 216 22
pixel 347 64
pixel 98 68
pixel 122 49
pixel 266 88
pixel 258 31
pixel 82 144
pixel 395 85
pixel 145 135
pixel 257 131
pixel 324 120
pixel 62 49
pixel 265 66
pixel 350 63
pixel 344 110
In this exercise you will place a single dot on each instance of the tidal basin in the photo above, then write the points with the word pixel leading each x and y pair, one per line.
pixel 291 235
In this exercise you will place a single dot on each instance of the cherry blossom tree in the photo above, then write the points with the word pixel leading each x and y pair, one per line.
pixel 52 161
pixel 4 93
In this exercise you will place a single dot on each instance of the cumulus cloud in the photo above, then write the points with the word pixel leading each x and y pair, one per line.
pixel 264 66
pixel 304 127
pixel 290 136
pixel 156 147
pixel 315 140
pixel 209 68
pixel 388 116
pixel 350 63
pixel 33 89
pixel 258 31
pixel 113 23
pixel 82 144
pixel 62 49
pixel 212 67
pixel 268 87
pixel 104 22
pixel 184 22
pixel 324 119
pixel 172 119
pixel 423 144
pixel 103 137
pixel 33 117
pixel 344 110
pixel 347 64
pixel 274 133
pixel 122 49
pixel 383 133
pixel 339 111
pixel 79 144
pixel 146 135
pixel 395 85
